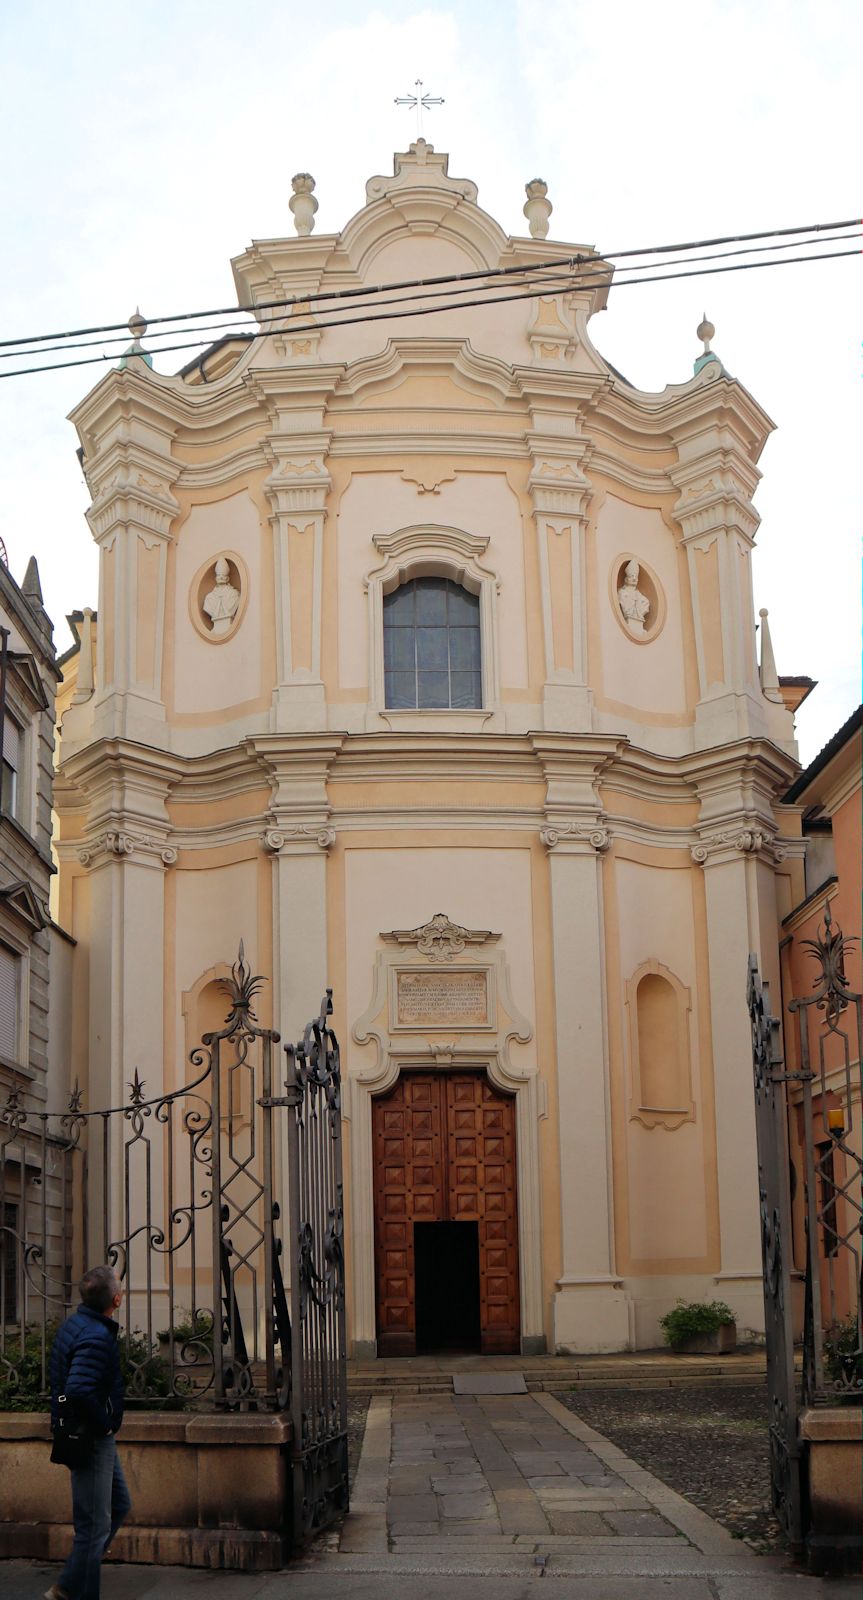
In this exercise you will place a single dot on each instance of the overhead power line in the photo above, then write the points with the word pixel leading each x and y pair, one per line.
pixel 550 286
pixel 567 261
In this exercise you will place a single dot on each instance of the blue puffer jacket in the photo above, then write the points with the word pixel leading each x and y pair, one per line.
pixel 85 1366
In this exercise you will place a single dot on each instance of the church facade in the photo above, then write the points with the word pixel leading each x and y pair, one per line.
pixel 425 663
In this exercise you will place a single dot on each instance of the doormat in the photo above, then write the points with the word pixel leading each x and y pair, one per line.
pixel 488 1383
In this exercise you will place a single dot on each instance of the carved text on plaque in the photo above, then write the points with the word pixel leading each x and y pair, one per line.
pixel 442 999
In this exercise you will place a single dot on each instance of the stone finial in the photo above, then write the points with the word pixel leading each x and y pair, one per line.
pixel 137 327
pixel 31 588
pixel 537 208
pixel 768 676
pixel 705 332
pixel 302 203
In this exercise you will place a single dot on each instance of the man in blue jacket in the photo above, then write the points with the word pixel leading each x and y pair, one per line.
pixel 85 1367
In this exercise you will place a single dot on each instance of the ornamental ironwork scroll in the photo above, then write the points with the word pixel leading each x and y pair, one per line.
pixel 220 1206
pixel 319 1350
pixel 774 1199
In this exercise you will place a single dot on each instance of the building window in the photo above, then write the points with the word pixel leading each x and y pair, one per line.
pixel 10 1002
pixel 432 646
pixel 11 782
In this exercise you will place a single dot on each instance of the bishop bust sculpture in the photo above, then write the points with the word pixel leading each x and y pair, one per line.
pixel 633 604
pixel 221 603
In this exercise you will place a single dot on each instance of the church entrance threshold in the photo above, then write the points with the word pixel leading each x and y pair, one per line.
pixel 446 1227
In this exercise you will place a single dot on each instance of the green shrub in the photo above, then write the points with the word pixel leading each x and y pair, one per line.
pixel 146 1376
pixel 693 1319
pixel 187 1328
pixel 21 1372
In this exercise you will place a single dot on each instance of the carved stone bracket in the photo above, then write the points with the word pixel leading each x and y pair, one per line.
pixel 274 839
pixel 738 841
pixel 440 939
pixel 116 844
pixel 594 834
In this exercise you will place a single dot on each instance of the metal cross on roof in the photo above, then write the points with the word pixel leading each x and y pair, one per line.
pixel 418 102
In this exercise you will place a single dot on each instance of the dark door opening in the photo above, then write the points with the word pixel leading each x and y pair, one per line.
pixel 446 1258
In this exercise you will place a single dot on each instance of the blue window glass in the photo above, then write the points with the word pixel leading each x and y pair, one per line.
pixel 432 656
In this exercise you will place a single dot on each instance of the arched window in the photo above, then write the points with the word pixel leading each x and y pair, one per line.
pixel 432 646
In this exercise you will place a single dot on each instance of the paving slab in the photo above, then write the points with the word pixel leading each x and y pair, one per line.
pixel 488 1383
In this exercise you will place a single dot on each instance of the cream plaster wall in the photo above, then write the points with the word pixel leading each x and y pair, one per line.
pixel 481 503
pixel 392 888
pixel 648 677
pixel 662 1163
pixel 214 909
pixel 208 676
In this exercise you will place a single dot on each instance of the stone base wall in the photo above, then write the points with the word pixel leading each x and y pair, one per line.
pixel 834 1436
pixel 207 1491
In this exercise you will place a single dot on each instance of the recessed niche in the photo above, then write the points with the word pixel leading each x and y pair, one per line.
pixel 218 596
pixel 637 598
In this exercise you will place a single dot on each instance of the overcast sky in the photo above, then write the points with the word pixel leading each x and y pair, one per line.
pixel 146 145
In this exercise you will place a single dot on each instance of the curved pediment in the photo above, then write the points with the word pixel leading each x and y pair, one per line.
pixel 421 198
pixel 403 359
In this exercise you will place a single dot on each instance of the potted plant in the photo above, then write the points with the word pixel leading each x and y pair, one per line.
pixel 700 1328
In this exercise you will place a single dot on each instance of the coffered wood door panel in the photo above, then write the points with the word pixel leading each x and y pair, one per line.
pixel 444 1150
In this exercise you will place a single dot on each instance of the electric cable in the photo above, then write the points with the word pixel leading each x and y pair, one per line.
pixel 232 328
pixel 426 311
pixel 464 277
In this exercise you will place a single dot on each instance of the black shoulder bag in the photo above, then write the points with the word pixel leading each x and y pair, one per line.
pixel 73 1439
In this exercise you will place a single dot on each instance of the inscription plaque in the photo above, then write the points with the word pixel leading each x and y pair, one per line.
pixel 442 999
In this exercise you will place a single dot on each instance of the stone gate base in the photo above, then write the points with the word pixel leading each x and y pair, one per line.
pixel 207 1491
pixel 834 1437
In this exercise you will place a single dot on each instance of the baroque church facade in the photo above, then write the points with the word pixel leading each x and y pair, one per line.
pixel 425 663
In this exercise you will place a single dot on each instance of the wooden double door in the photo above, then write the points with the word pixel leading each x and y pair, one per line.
pixel 446 1221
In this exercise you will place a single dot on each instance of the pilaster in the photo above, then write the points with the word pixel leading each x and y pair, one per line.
pixel 560 493
pixel 297 490
pixel 299 836
pixel 718 444
pixel 738 849
pixel 130 471
pixel 591 1312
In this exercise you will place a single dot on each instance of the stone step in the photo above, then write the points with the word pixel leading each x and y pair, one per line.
pixel 652 1374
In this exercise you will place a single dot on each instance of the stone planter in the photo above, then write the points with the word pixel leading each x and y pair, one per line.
pixel 719 1343
pixel 207 1490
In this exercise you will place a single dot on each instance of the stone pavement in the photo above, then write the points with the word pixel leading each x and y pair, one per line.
pixel 490 1496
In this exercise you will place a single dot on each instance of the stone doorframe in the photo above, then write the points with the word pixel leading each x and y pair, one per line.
pixel 436 949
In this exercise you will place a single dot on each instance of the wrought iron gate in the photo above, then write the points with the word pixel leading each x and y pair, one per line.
pixel 220 1205
pixel 823 1099
pixel 319 1349
pixel 774 1196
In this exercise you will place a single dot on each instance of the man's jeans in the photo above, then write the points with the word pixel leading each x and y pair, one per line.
pixel 100 1502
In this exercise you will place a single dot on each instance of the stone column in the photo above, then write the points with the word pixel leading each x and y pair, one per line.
pixel 591 1311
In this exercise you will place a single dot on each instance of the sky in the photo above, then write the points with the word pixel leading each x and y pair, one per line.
pixel 146 145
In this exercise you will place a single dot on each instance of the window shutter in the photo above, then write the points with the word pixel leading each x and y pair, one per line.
pixel 12 744
pixel 10 987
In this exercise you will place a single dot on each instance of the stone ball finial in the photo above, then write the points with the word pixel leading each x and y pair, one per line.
pixel 137 325
pixel 537 207
pixel 302 203
pixel 705 332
